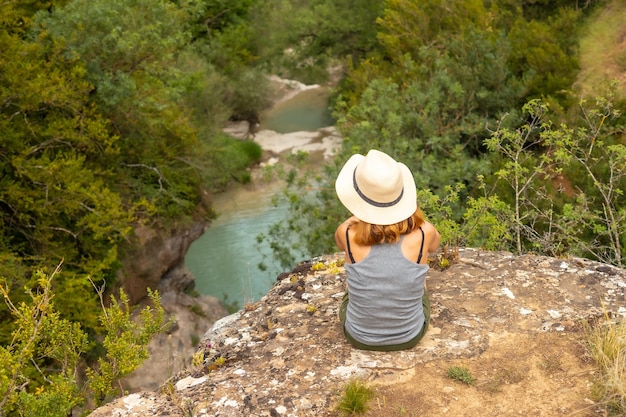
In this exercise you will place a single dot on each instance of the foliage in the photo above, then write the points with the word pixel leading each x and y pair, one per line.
pixel 408 26
pixel 39 334
pixel 585 219
pixel 223 36
pixel 56 196
pixel 313 34
pixel 355 398
pixel 107 121
pixel 248 95
pixel 229 159
pixel 39 368
pixel 461 374
pixel 160 95
pixel 413 38
pixel 130 57
pixel 533 69
pixel 543 53
pixel 486 222
pixel 599 207
pixel 521 167
pixel 125 342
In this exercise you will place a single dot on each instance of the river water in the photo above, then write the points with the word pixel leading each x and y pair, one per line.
pixel 225 259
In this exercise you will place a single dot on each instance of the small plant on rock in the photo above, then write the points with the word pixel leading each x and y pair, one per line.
pixel 355 398
pixel 319 266
pixel 461 374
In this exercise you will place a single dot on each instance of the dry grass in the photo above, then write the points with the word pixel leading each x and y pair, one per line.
pixel 607 346
pixel 603 51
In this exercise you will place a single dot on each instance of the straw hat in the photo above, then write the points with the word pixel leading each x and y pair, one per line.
pixel 377 189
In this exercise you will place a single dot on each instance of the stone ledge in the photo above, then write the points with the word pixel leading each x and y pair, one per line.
pixel 286 355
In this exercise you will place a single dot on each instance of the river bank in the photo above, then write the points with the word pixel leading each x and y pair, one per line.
pixel 230 261
pixel 284 130
pixel 171 352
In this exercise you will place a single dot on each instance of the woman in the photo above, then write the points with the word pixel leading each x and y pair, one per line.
pixel 387 242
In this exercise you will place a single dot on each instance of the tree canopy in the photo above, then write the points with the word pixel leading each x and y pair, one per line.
pixel 443 81
pixel 102 129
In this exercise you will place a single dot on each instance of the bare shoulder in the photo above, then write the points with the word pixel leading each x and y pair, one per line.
pixel 340 234
pixel 428 228
pixel 431 236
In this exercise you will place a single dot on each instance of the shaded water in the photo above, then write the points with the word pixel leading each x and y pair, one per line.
pixel 225 259
pixel 306 111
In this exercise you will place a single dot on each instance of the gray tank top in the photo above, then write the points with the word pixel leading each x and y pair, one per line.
pixel 385 301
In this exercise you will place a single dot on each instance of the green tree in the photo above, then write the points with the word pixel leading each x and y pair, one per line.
pixel 593 223
pixel 42 339
pixel 540 158
pixel 131 60
pixel 407 26
pixel 224 38
pixel 313 34
pixel 544 54
pixel 521 168
pixel 78 173
pixel 55 196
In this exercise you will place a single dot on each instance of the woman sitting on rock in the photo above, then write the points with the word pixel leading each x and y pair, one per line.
pixel 387 242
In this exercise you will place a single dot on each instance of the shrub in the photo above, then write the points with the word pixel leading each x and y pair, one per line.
pixel 461 374
pixel 355 398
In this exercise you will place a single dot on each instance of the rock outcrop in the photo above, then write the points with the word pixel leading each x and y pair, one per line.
pixel 285 355
pixel 172 352
pixel 157 260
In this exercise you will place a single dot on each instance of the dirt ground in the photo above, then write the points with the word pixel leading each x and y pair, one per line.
pixel 541 375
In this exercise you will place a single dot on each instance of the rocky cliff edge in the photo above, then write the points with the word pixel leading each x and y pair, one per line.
pixel 285 355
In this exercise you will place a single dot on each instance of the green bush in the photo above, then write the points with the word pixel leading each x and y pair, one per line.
pixel 39 369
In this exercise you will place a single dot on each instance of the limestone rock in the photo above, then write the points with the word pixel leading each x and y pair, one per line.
pixel 285 355
pixel 157 256
pixel 172 351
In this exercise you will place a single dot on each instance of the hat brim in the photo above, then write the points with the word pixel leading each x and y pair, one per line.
pixel 344 187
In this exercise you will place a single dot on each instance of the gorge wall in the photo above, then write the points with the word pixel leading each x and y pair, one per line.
pixel 285 355
pixel 157 257
pixel 157 262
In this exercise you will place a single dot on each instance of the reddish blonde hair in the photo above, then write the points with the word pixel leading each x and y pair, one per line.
pixel 367 234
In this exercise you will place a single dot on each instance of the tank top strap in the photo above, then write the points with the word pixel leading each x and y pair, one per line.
pixel 348 246
pixel 419 258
